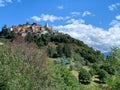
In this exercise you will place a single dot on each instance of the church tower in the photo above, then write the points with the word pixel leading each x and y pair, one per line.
pixel 46 25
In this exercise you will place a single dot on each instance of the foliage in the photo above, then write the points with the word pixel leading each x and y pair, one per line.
pixel 84 76
pixel 66 50
pixel 29 37
pixel 16 74
pixel 63 77
pixel 52 51
pixel 23 64
pixel 109 69
pixel 102 76
pixel 59 50
pixel 92 72
pixel 21 70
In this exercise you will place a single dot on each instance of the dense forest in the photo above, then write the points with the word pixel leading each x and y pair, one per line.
pixel 55 61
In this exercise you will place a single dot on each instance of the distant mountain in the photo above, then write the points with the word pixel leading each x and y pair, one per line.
pixel 106 54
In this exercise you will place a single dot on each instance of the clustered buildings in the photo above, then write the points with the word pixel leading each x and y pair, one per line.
pixel 35 28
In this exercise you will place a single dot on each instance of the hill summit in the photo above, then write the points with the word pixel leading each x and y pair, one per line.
pixel 23 29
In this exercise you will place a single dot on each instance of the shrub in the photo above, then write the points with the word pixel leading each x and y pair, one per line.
pixel 84 76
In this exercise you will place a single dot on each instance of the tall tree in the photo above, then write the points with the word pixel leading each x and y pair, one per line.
pixel 84 76
pixel 59 50
pixel 66 50
pixel 4 31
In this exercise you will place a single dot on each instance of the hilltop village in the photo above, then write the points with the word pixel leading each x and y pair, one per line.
pixel 34 28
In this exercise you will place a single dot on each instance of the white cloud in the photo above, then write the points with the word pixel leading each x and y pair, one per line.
pixel 73 21
pixel 3 3
pixel 51 18
pixel 114 6
pixel 86 13
pixel 60 7
pixel 118 17
pixel 75 13
pixel 36 18
pixel 115 23
pixel 46 17
pixel 96 37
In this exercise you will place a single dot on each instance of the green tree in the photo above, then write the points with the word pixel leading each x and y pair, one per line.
pixel 102 76
pixel 96 68
pixel 84 76
pixel 92 72
pixel 29 37
pixel 116 86
pixel 4 31
pixel 52 51
pixel 11 35
pixel 59 49
pixel 67 50
pixel 109 69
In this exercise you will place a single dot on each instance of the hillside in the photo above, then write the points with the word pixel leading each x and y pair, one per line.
pixel 39 58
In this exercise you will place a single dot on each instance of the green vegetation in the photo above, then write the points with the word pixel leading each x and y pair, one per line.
pixel 84 76
pixel 55 61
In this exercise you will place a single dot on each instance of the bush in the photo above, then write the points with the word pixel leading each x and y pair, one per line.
pixel 92 72
pixel 109 69
pixel 84 76
pixel 102 76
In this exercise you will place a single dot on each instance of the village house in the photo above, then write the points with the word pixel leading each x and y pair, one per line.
pixel 35 28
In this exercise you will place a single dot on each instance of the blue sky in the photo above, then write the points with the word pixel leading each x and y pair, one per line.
pixel 96 22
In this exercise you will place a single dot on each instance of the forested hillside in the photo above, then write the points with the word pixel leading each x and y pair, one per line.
pixel 50 60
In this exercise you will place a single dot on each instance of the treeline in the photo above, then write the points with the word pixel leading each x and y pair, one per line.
pixel 5 33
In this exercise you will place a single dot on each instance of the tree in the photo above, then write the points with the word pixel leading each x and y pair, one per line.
pixel 52 51
pixel 84 76
pixel 92 72
pixel 29 37
pixel 4 31
pixel 102 76
pixel 59 49
pixel 116 86
pixel 109 69
pixel 96 68
pixel 11 35
pixel 66 50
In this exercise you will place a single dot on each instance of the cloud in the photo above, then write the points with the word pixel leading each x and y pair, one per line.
pixel 3 3
pixel 51 18
pixel 36 18
pixel 118 17
pixel 114 6
pixel 60 7
pixel 75 13
pixel 96 37
pixel 86 13
pixel 46 17
pixel 73 21
pixel 116 22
